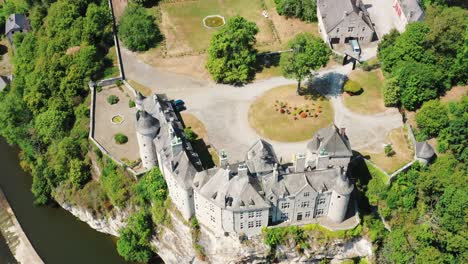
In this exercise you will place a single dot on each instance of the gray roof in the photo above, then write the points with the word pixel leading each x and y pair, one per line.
pixel 261 157
pixel 329 140
pixel 424 150
pixel 336 11
pixel 4 81
pixel 147 124
pixel 412 10
pixel 16 22
pixel 229 190
pixel 292 183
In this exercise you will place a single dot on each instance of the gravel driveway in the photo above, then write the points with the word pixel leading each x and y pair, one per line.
pixel 224 109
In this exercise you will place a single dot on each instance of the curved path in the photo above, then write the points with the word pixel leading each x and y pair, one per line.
pixel 224 109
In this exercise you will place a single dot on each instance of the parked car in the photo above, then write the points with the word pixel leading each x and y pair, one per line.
pixel 179 105
pixel 355 46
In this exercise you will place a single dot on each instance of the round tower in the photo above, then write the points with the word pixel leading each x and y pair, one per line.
pixel 139 101
pixel 147 128
pixel 340 198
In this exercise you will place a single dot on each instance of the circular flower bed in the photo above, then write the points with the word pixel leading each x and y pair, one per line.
pixel 117 119
pixel 213 21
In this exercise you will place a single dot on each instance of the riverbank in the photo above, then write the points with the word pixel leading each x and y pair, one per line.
pixel 14 235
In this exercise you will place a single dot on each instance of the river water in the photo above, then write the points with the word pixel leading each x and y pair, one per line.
pixel 57 236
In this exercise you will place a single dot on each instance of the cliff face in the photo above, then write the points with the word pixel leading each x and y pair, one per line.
pixel 175 243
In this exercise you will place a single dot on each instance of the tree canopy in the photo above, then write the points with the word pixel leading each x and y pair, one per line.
pixel 306 10
pixel 133 243
pixel 308 54
pixel 231 55
pixel 138 30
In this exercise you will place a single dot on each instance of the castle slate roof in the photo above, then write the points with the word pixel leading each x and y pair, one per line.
pixel 4 81
pixel 424 150
pixel 329 140
pixel 16 22
pixel 335 11
pixel 261 157
pixel 147 124
pixel 412 10
pixel 230 190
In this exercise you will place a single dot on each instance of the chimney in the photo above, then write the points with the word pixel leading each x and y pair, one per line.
pixel 242 170
pixel 176 145
pixel 343 131
pixel 275 172
pixel 299 162
pixel 223 159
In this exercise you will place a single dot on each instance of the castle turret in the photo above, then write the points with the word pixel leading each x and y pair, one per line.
pixel 139 101
pixel 340 197
pixel 147 128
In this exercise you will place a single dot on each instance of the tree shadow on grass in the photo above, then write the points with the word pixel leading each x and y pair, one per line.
pixel 3 49
pixel 329 85
pixel 266 60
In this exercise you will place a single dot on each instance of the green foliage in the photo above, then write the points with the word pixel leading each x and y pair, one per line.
pixel 377 186
pixel 455 136
pixel 388 150
pixel 131 104
pixel 391 92
pixel 112 99
pixel 306 10
pixel 133 243
pixel 51 124
pixel 231 55
pixel 116 184
pixel 151 187
pixel 427 58
pixel 79 172
pixel 352 87
pixel 190 134
pixel 432 118
pixel 120 138
pixel 138 30
pixel 309 54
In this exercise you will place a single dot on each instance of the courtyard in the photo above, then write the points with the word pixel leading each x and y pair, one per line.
pixel 112 119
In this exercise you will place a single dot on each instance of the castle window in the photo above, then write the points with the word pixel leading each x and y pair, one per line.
pixel 258 214
pixel 212 219
pixel 306 194
pixel 337 30
pixel 307 214
pixel 211 208
pixel 321 201
pixel 305 204
pixel 284 205
pixel 284 216
pixel 361 38
pixel 251 224
pixel 363 28
pixel 319 212
pixel 242 215
pixel 251 214
pixel 241 225
pixel 258 223
pixel 350 29
pixel 339 196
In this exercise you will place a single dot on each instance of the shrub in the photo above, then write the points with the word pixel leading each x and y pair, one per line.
pixel 119 83
pixel 352 87
pixel 133 243
pixel 389 150
pixel 131 104
pixel 432 118
pixel 189 134
pixel 99 88
pixel 391 93
pixel 112 99
pixel 120 138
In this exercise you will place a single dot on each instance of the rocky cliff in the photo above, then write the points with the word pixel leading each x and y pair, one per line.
pixel 175 244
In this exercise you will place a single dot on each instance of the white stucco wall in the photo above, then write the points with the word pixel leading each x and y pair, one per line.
pixel 338 207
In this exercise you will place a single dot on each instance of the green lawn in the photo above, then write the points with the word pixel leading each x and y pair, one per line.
pixel 370 101
pixel 182 22
pixel 268 121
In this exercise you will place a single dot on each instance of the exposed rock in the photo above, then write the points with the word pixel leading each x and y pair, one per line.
pixel 175 244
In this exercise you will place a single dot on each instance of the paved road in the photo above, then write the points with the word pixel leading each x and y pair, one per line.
pixel 224 108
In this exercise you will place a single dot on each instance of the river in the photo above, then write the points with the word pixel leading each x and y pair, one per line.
pixel 57 236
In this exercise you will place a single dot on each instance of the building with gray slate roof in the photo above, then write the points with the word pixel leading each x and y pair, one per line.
pixel 4 82
pixel 424 152
pixel 407 11
pixel 16 23
pixel 342 20
pixel 242 198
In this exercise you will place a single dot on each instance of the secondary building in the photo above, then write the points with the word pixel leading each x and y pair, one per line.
pixel 16 23
pixel 407 11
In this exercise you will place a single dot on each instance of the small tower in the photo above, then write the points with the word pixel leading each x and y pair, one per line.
pixel 147 127
pixel 340 197
pixel 223 159
pixel 139 98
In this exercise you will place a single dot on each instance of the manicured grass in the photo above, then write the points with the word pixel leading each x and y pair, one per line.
pixel 182 22
pixel 370 101
pixel 272 124
pixel 403 151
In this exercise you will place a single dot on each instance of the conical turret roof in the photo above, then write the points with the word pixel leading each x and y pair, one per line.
pixel 342 185
pixel 147 124
pixel 424 150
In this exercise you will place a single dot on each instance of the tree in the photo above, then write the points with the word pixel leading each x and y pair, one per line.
pixel 455 136
pixel 432 118
pixel 419 83
pixel 306 10
pixel 120 138
pixel 231 55
pixel 190 134
pixel 352 87
pixel 79 173
pixel 391 92
pixel 138 29
pixel 309 54
pixel 51 124
pixel 133 243
pixel 151 187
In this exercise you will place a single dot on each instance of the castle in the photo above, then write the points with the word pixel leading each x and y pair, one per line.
pixel 242 198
